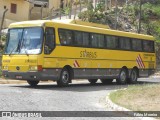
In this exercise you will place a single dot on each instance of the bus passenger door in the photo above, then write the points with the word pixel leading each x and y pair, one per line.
pixel 49 60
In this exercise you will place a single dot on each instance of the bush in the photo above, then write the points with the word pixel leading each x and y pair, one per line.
pixel 2 43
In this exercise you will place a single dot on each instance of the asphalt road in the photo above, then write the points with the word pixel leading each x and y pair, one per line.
pixel 78 96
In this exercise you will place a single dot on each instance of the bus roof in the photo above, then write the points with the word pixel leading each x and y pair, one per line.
pixel 31 23
pixel 90 27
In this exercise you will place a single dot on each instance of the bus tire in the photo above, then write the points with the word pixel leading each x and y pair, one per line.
pixel 122 78
pixel 133 77
pixel 106 81
pixel 92 81
pixel 64 78
pixel 32 83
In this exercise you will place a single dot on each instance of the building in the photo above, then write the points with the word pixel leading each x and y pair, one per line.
pixel 21 10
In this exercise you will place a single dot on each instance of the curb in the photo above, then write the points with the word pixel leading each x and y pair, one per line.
pixel 9 81
pixel 116 107
pixel 113 105
pixel 155 77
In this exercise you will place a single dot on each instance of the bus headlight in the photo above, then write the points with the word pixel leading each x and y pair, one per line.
pixel 5 67
pixel 33 68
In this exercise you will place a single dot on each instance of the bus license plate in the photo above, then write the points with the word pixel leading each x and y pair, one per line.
pixel 19 77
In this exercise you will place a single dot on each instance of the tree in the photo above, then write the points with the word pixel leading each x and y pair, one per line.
pixel 3 17
pixel 92 14
pixel 140 13
pixel 80 5
pixel 70 4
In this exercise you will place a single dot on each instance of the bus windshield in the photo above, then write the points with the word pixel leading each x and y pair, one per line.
pixel 24 41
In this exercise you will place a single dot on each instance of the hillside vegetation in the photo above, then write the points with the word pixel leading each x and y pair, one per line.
pixel 126 17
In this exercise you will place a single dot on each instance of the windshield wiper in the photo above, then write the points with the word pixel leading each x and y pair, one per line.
pixel 25 48
pixel 17 48
pixel 26 52
pixel 13 50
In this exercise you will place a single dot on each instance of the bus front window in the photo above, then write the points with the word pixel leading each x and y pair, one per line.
pixel 24 41
pixel 14 37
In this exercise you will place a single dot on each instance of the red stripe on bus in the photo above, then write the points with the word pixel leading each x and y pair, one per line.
pixel 142 61
pixel 139 65
pixel 77 63
pixel 74 65
pixel 139 62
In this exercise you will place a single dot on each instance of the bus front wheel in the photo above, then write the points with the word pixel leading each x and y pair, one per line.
pixel 32 83
pixel 64 78
pixel 122 78
pixel 92 81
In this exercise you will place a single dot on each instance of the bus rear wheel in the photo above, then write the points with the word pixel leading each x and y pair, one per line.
pixel 107 81
pixel 32 83
pixel 133 77
pixel 64 78
pixel 122 78
pixel 92 81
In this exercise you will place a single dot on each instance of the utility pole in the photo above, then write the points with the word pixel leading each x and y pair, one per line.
pixel 70 7
pixel 140 14
pixel 94 3
pixel 75 9
pixel 127 9
pixel 116 14
pixel 42 12
pixel 110 4
pixel 106 5
pixel 30 12
pixel 80 5
pixel 3 17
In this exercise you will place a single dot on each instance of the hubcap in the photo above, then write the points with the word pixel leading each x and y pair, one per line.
pixel 65 77
pixel 123 76
pixel 134 76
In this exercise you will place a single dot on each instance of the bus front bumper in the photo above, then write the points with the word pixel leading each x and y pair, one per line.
pixel 41 75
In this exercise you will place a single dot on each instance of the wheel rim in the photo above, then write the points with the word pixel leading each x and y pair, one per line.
pixel 123 76
pixel 134 76
pixel 65 77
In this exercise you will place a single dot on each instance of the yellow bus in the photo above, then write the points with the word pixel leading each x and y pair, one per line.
pixel 65 50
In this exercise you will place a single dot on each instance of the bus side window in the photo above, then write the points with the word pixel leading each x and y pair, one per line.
pixel 101 42
pixel 50 40
pixel 136 45
pixel 112 42
pixel 148 46
pixel 78 38
pixel 94 40
pixel 65 37
pixel 125 43
pixel 85 39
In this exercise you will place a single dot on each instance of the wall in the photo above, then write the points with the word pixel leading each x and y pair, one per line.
pixel 22 12
pixel 22 9
pixel 54 3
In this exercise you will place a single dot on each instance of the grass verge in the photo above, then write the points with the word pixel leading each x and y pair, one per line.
pixel 138 97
